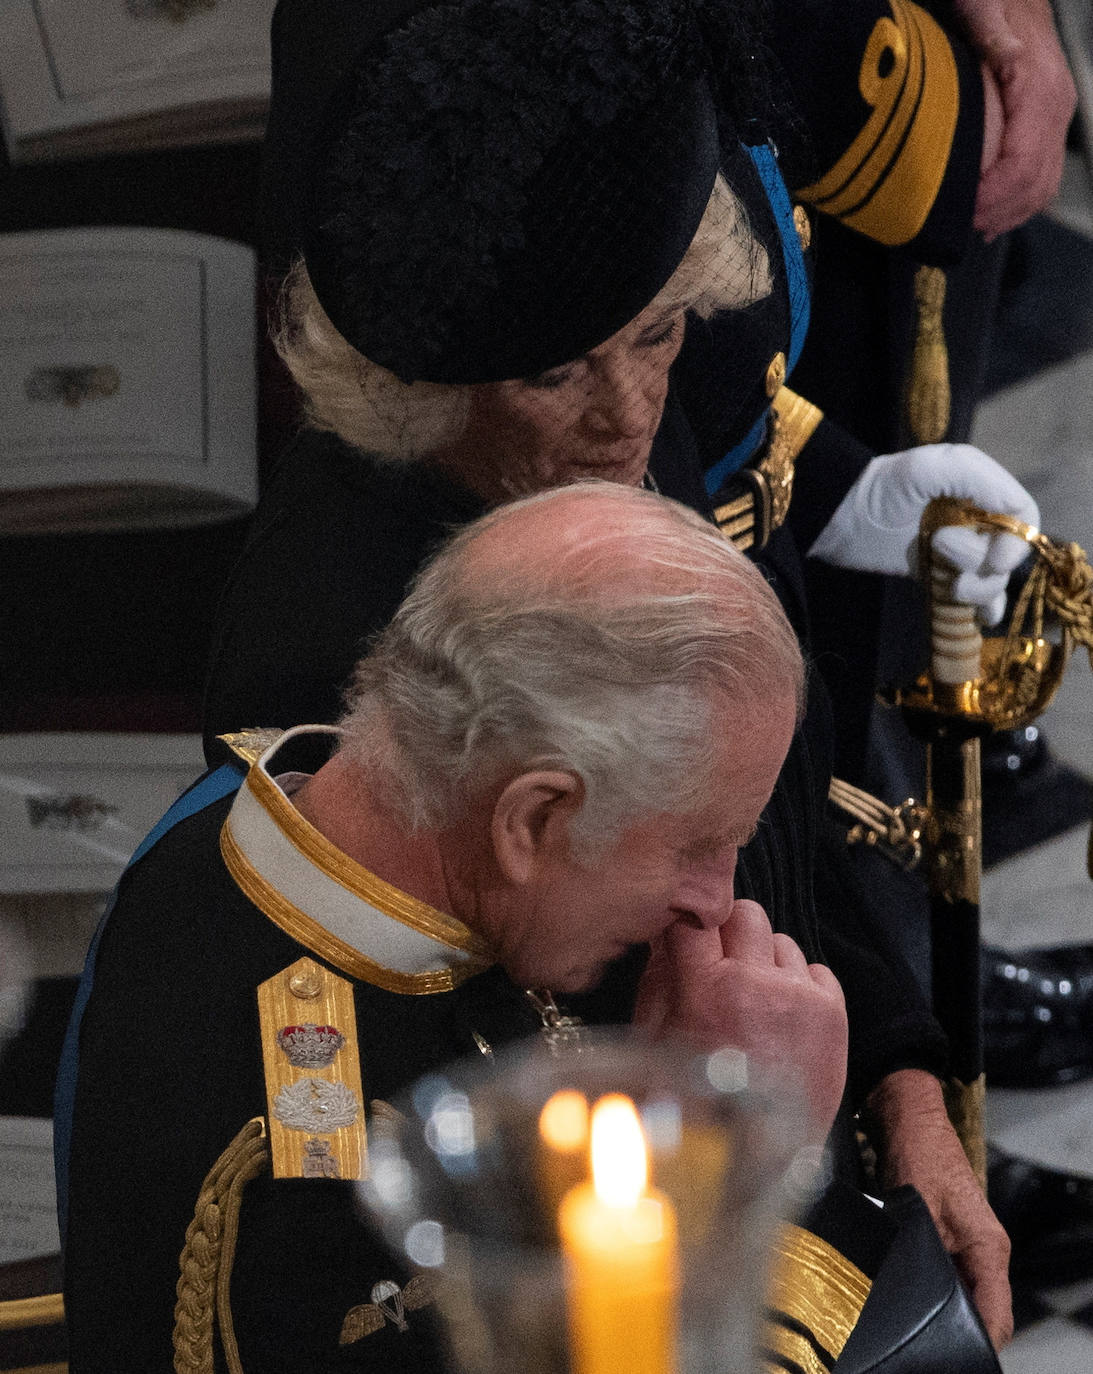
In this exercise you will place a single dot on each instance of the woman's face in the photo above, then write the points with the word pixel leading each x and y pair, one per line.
pixel 593 417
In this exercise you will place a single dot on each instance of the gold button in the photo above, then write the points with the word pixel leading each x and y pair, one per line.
pixel 803 225
pixel 776 374
pixel 306 983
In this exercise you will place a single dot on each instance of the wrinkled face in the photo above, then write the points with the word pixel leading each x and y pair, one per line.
pixel 593 417
pixel 663 868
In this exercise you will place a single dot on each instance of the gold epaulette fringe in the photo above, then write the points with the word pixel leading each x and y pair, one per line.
pixel 929 398
pixel 205 1265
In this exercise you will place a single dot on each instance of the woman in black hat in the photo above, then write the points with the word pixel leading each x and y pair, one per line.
pixel 506 210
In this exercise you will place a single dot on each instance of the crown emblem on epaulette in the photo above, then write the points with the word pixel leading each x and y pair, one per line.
pixel 310 1046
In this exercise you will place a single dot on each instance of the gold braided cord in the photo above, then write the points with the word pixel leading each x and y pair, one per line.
pixel 1060 584
pixel 1070 595
pixel 255 1159
pixel 194 1309
pixel 895 830
pixel 1019 672
pixel 1068 576
pixel 205 1264
pixel 1070 590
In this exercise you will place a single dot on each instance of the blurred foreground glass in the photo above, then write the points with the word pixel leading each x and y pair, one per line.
pixel 659 1266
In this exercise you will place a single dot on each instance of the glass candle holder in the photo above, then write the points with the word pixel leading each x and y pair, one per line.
pixel 601 1212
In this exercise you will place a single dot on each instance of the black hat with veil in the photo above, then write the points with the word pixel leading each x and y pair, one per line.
pixel 486 189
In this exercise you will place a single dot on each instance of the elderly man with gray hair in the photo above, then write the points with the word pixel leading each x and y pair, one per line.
pixel 519 793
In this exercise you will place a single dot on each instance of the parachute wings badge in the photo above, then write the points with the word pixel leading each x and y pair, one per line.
pixel 390 1303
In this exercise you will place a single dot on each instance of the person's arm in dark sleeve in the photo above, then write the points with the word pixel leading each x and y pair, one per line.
pixel 891 1025
pixel 897 1058
pixel 891 104
pixel 825 469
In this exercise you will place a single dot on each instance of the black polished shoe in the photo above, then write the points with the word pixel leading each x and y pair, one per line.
pixel 1048 1217
pixel 1037 1016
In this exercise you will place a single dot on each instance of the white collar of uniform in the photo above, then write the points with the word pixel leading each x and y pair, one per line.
pixel 330 903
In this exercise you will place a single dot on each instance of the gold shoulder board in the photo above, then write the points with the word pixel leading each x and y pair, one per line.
pixel 314 1098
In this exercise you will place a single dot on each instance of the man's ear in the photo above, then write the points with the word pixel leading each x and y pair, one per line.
pixel 531 819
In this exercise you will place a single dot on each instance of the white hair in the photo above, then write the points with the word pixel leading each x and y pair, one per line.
pixel 725 268
pixel 614 660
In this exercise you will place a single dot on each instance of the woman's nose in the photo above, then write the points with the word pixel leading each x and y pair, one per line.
pixel 620 405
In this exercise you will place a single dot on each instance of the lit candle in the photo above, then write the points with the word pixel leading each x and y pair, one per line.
pixel 619 1240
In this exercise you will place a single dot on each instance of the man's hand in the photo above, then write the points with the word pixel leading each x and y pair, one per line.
pixel 1020 50
pixel 916 1144
pixel 745 986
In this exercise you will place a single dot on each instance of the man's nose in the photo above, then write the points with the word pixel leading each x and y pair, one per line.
pixel 708 896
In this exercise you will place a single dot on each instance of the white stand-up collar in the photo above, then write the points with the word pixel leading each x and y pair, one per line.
pixel 330 903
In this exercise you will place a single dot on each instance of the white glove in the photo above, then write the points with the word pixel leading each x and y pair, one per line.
pixel 875 528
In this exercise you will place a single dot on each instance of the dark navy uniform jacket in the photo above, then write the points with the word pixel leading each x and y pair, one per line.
pixel 162 1069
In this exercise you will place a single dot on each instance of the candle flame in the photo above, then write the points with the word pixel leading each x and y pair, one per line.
pixel 620 1161
pixel 563 1122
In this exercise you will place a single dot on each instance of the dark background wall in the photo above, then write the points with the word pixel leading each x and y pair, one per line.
pixel 110 631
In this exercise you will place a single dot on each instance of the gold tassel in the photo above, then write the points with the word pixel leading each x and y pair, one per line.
pixel 964 1103
pixel 928 396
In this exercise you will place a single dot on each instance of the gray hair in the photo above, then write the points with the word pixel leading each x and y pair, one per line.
pixel 725 268
pixel 614 659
